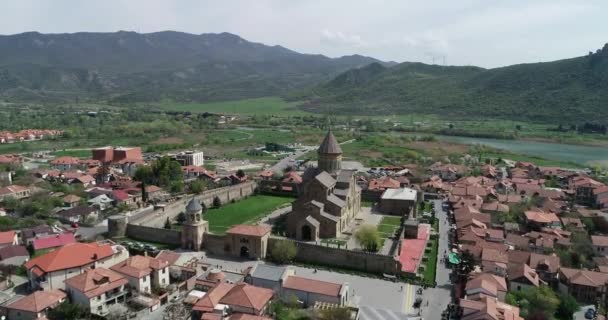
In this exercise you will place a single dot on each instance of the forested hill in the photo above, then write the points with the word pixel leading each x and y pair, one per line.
pixel 129 66
pixel 566 90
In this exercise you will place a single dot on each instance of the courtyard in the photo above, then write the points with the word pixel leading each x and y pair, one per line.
pixel 245 211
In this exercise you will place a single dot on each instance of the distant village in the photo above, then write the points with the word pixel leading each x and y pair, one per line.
pixel 123 235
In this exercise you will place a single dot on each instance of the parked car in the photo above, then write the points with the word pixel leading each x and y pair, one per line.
pixel 590 313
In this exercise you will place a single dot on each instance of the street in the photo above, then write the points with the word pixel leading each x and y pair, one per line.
pixel 436 300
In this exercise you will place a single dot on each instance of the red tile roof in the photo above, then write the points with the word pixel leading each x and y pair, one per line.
pixel 248 296
pixel 65 160
pixel 38 301
pixel 70 256
pixel 411 254
pixel 212 298
pixel 11 251
pixel 541 217
pixel 139 266
pixel 7 237
pixel 250 230
pixel 94 282
pixel 313 286
pixel 54 241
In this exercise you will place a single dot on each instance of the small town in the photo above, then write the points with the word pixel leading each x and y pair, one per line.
pixel 303 160
pixel 111 237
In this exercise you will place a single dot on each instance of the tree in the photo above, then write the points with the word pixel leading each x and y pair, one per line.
pixel 467 264
pixel 537 303
pixel 197 186
pixel 240 173
pixel 341 313
pixel 67 311
pixel 181 217
pixel 567 306
pixel 168 223
pixel 283 252
pixel 217 202
pixel 368 238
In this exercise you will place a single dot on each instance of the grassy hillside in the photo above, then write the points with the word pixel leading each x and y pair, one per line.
pixel 564 91
pixel 127 67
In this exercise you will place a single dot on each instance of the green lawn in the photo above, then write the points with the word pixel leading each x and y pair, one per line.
pixel 245 211
pixel 388 225
pixel 431 262
pixel 258 106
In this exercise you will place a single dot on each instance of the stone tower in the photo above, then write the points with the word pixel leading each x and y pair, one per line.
pixel 193 230
pixel 330 154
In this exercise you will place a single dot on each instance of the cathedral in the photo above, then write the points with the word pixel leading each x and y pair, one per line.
pixel 330 199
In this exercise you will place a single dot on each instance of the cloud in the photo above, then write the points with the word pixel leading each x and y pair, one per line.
pixel 341 39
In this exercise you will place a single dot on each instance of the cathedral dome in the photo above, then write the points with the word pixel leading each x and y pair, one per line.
pixel 330 145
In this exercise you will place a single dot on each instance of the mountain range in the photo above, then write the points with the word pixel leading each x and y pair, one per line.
pixel 564 91
pixel 129 66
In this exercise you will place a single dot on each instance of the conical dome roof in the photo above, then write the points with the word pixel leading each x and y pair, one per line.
pixel 330 144
pixel 194 206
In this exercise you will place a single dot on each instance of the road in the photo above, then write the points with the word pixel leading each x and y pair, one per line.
pixel 287 161
pixel 436 300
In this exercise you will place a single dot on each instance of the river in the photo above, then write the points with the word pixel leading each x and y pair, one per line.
pixel 582 154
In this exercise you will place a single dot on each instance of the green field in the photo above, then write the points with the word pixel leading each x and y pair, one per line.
pixel 430 269
pixel 245 211
pixel 388 225
pixel 73 153
pixel 258 106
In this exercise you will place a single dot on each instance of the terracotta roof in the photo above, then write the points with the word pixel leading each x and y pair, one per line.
pixel 85 178
pixel 518 271
pixel 139 266
pixel 153 188
pixel 330 145
pixel 600 241
pixel 167 255
pixel 70 256
pixel 12 189
pixel 212 298
pixel 489 284
pixel 77 211
pixel 7 237
pixel 94 282
pixel 250 230
pixel 518 257
pixel 383 183
pixel 65 160
pixel 247 296
pixel 517 240
pixel 549 262
pixel 494 256
pixel 53 241
pixel 585 277
pixel 38 301
pixel 120 195
pixel 11 251
pixel 292 177
pixel 488 308
pixel 70 198
pixel 313 286
pixel 541 217
pixel 495 206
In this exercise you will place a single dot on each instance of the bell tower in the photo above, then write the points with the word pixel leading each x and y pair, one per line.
pixel 194 228
pixel 330 154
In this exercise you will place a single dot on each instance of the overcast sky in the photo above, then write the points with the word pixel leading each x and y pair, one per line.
pixel 487 33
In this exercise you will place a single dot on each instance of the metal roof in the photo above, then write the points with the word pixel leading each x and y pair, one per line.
pixel 330 144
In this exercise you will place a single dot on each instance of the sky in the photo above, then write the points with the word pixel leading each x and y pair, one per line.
pixel 487 33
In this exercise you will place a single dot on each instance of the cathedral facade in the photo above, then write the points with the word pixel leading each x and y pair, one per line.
pixel 330 199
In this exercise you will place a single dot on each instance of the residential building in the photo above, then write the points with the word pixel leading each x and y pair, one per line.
pixel 600 245
pixel 144 273
pixel 489 285
pixel 269 276
pixel 53 241
pixel 65 163
pixel 494 261
pixel 539 219
pixel 13 255
pixel 28 235
pixel 97 289
pixel 101 202
pixel 8 238
pixel 50 270
pixel 238 298
pixel 311 291
pixel 71 200
pixel 584 285
pixel 79 214
pixel 14 191
pixel 35 305
pixel 522 277
pixel 488 308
